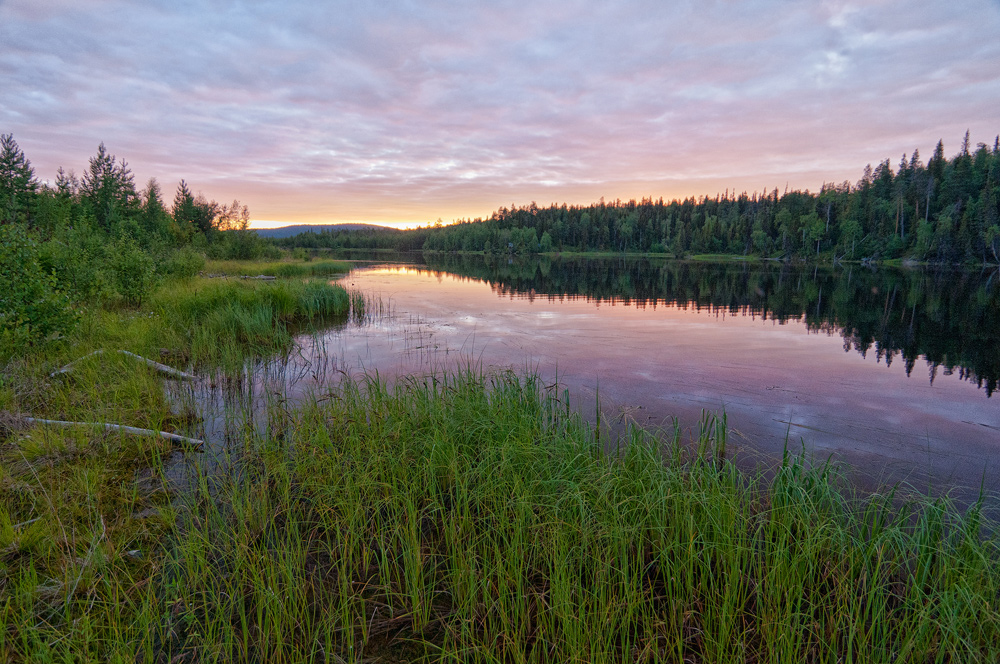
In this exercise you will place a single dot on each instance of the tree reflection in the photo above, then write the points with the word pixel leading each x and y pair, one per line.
pixel 949 317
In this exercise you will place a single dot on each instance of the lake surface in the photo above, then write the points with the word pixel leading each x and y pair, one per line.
pixel 890 372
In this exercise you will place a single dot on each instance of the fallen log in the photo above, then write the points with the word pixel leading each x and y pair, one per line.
pixel 193 443
pixel 261 277
pixel 162 368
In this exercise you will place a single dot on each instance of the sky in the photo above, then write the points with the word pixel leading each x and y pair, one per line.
pixel 403 112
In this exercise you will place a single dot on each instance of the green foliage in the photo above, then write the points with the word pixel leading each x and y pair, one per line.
pixel 100 238
pixel 132 271
pixel 153 219
pixel 545 244
pixel 242 244
pixel 184 263
pixel 108 190
pixel 76 255
pixel 32 307
pixel 17 181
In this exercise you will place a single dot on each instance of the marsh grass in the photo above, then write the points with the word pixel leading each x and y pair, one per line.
pixel 471 518
pixel 278 268
pixel 80 528
pixel 225 322
pixel 85 515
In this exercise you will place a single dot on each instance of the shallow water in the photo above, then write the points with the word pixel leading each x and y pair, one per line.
pixel 832 363
pixel 777 377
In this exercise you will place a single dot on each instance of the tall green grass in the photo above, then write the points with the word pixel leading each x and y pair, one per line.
pixel 278 268
pixel 472 518
pixel 225 321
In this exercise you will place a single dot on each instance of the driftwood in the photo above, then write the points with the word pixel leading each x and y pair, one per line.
pixel 162 368
pixel 193 443
pixel 261 277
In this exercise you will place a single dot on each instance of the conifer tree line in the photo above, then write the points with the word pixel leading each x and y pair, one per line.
pixel 98 236
pixel 105 200
pixel 947 211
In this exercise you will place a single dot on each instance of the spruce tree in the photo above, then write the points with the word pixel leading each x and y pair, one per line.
pixel 108 188
pixel 18 185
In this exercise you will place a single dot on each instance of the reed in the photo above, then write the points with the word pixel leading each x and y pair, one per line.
pixel 278 268
pixel 226 321
pixel 468 518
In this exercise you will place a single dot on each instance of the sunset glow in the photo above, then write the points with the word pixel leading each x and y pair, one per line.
pixel 406 113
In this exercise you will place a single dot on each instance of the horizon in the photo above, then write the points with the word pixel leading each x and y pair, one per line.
pixel 406 113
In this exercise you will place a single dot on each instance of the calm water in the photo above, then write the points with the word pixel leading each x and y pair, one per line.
pixel 890 372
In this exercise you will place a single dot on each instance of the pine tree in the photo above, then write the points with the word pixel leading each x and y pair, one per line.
pixel 67 184
pixel 155 220
pixel 108 187
pixel 17 181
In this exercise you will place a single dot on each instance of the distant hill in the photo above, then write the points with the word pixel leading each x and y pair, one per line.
pixel 289 231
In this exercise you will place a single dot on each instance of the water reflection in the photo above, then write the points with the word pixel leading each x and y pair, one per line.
pixel 763 343
pixel 950 318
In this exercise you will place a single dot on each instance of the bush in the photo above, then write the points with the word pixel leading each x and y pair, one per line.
pixel 242 245
pixel 184 263
pixel 132 271
pixel 76 257
pixel 32 307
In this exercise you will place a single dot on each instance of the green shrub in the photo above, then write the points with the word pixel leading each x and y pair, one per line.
pixel 32 307
pixel 132 271
pixel 242 245
pixel 76 257
pixel 184 263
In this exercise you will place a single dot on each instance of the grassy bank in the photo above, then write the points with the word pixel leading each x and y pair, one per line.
pixel 225 321
pixel 85 515
pixel 472 518
pixel 277 268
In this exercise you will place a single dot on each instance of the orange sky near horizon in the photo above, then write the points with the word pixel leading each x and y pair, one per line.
pixel 405 112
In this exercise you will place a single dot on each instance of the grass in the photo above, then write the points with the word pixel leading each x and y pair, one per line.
pixel 84 513
pixel 226 320
pixel 471 517
pixel 278 268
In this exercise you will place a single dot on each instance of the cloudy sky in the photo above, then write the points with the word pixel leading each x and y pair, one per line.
pixel 396 111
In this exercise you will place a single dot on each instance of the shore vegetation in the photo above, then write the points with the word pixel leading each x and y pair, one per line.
pixel 472 517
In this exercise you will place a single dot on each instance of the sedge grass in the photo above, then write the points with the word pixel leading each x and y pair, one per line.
pixel 84 514
pixel 278 268
pixel 469 518
pixel 234 320
pixel 473 518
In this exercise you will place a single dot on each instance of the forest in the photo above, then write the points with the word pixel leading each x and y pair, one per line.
pixel 99 238
pixel 944 211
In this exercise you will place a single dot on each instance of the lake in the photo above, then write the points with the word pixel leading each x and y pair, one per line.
pixel 890 372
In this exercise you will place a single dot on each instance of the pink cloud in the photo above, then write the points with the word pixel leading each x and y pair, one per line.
pixel 414 111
